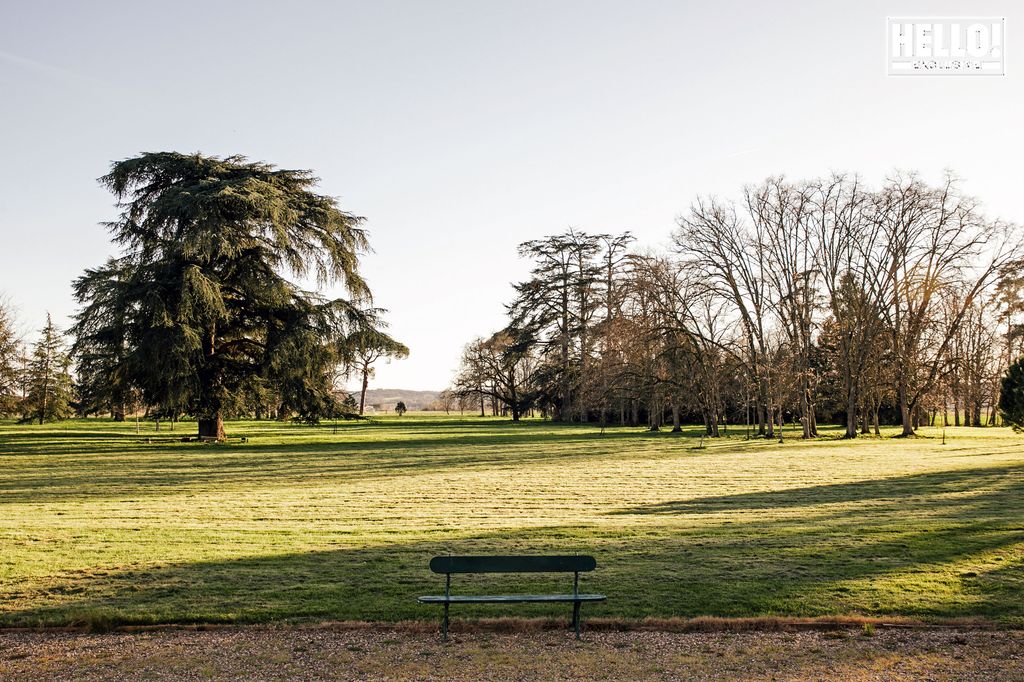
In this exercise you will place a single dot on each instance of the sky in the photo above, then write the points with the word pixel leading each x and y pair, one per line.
pixel 460 129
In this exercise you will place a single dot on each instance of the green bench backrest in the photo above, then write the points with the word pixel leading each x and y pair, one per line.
pixel 512 564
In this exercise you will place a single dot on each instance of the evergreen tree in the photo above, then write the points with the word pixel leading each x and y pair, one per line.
pixel 100 342
pixel 49 380
pixel 10 357
pixel 557 306
pixel 365 346
pixel 199 303
pixel 1011 396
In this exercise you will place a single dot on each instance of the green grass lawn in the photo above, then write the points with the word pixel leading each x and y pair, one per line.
pixel 301 523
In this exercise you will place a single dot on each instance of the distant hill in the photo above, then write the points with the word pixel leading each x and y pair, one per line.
pixel 385 398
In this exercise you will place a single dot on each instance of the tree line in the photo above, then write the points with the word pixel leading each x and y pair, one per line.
pixel 199 312
pixel 795 303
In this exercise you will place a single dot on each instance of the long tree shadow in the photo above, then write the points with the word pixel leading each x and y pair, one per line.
pixel 96 467
pixel 923 489
pixel 348 438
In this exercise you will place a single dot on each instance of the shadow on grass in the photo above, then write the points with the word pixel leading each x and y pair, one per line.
pixel 907 492
pixel 97 464
pixel 912 547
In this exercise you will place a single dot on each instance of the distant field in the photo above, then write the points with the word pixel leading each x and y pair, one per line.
pixel 301 523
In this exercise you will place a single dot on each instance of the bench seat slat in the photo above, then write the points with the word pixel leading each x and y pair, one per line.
pixel 509 598
pixel 513 564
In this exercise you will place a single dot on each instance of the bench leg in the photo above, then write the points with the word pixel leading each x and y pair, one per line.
pixel 576 618
pixel 444 624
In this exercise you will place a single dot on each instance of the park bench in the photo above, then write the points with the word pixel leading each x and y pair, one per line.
pixel 512 564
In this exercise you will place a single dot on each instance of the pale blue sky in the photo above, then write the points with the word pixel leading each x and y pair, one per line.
pixel 460 129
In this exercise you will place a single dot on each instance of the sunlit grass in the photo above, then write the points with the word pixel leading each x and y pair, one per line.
pixel 301 523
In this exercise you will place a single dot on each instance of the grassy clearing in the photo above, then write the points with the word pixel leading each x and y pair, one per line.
pixel 98 526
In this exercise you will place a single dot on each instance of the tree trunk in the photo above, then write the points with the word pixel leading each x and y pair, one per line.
pixel 769 412
pixel 805 410
pixel 362 392
pixel 906 417
pixel 851 413
pixel 514 404
pixel 676 428
pixel 565 412
pixel 42 401
pixel 769 420
pixel 212 427
pixel 654 416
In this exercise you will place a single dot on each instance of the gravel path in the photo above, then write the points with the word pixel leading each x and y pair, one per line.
pixel 316 653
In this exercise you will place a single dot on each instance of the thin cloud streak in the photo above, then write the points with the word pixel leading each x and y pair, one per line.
pixel 54 72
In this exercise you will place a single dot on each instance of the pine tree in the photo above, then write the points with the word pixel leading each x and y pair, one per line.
pixel 10 357
pixel 557 306
pixel 100 343
pixel 1011 396
pixel 198 305
pixel 49 381
pixel 365 346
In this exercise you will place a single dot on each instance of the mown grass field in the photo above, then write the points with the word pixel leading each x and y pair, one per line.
pixel 302 523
